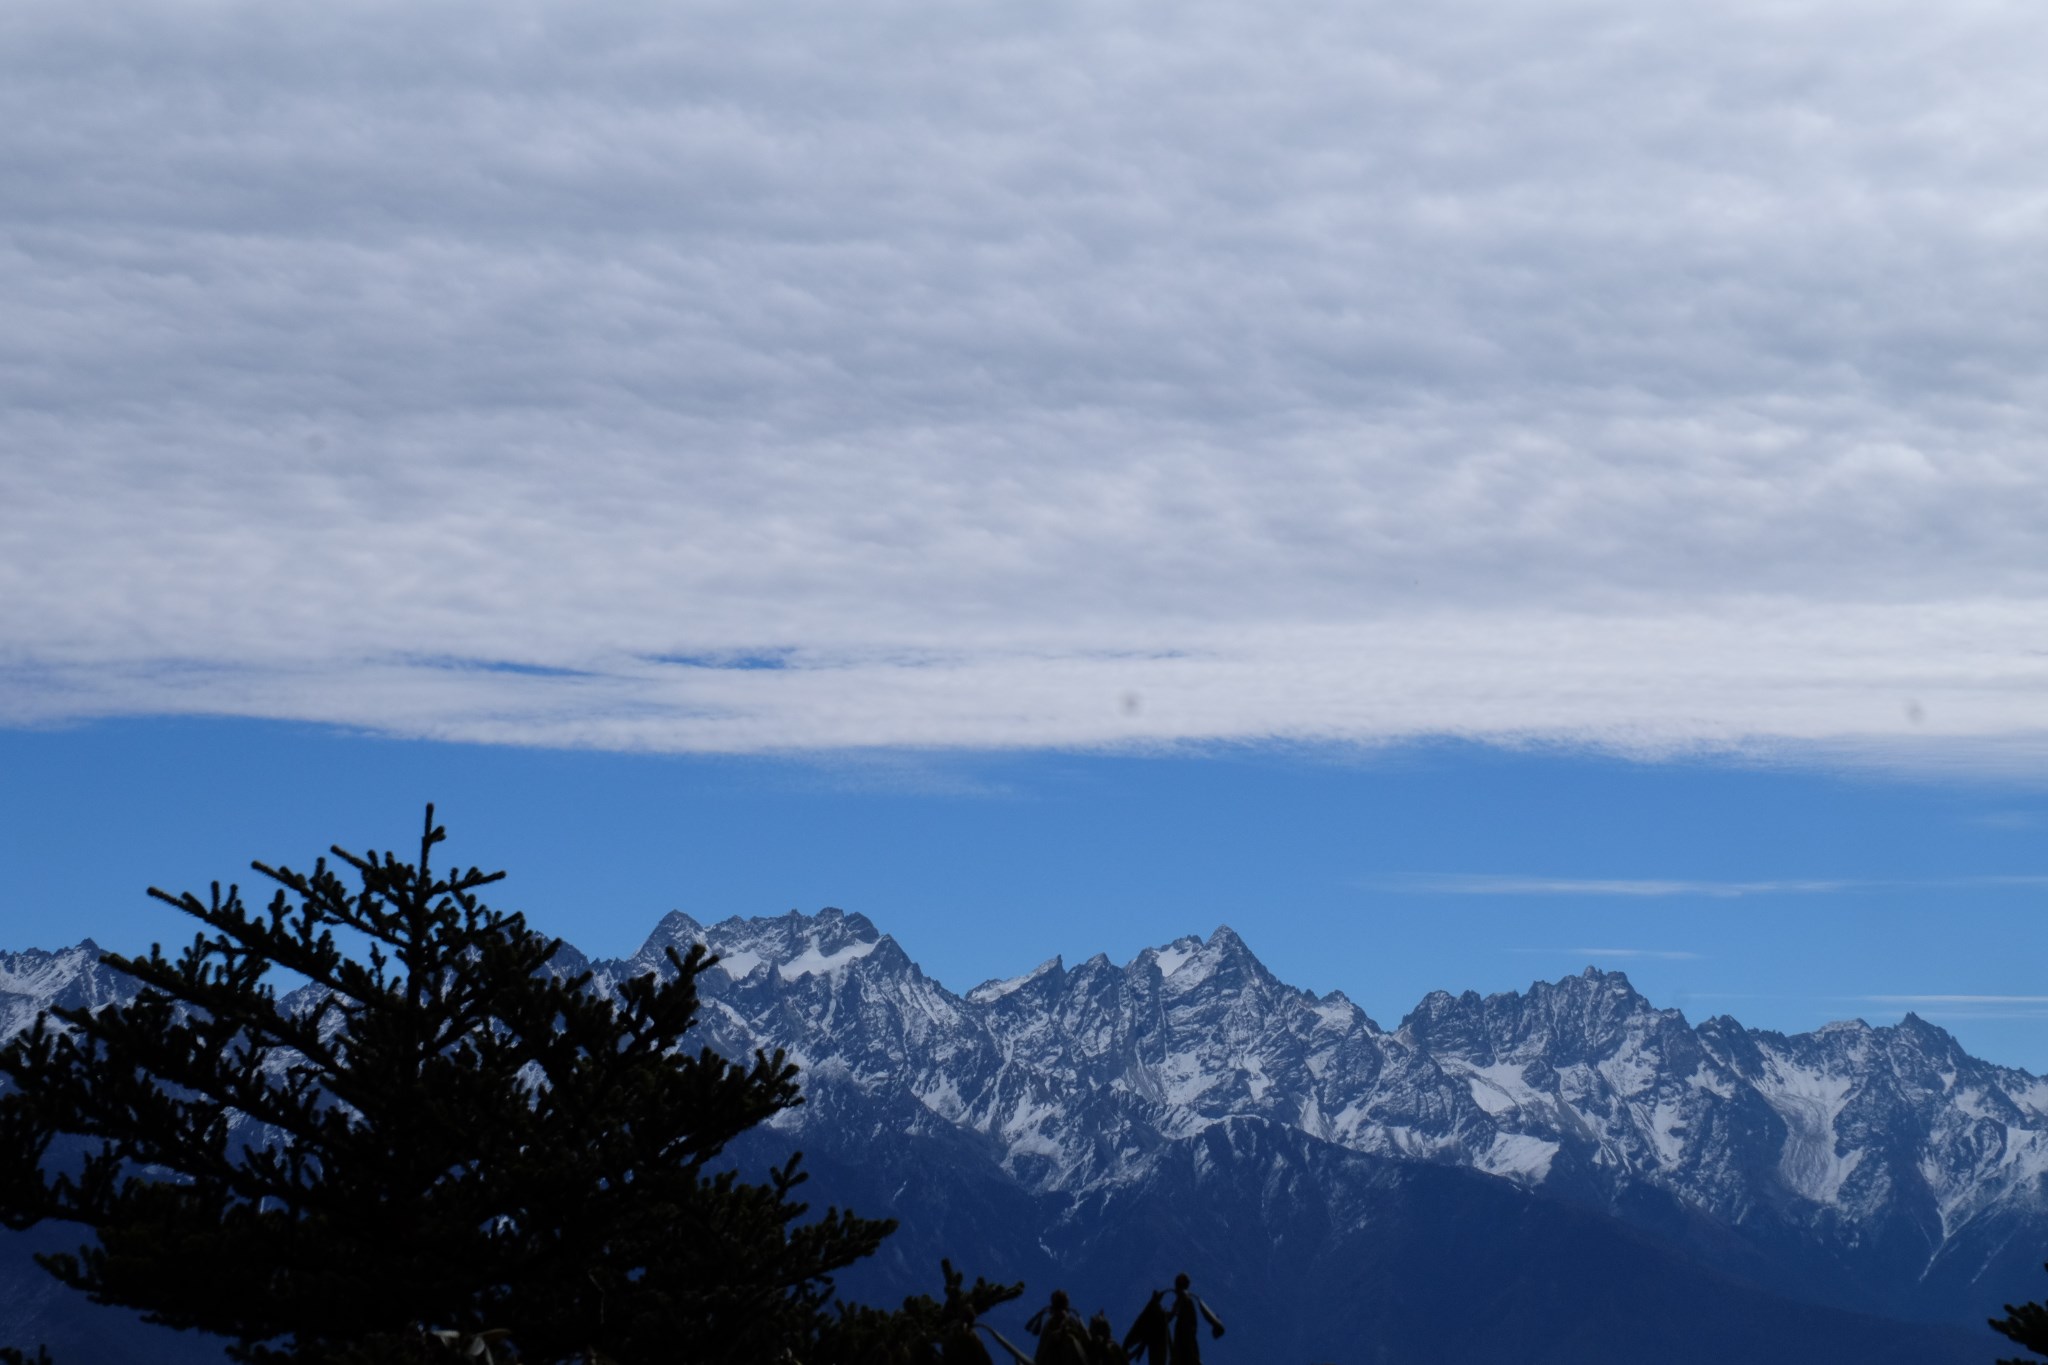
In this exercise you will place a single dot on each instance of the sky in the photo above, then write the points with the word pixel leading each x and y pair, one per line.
pixel 1451 491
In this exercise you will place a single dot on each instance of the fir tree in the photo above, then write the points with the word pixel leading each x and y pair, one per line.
pixel 438 1135
pixel 924 1331
pixel 2027 1325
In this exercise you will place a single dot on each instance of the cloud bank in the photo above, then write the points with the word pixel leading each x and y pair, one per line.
pixel 722 377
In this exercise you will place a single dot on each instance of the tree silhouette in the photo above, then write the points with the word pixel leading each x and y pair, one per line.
pixel 2027 1325
pixel 438 1134
pixel 924 1331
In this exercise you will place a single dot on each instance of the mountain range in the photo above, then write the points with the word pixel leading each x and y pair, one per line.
pixel 1564 1174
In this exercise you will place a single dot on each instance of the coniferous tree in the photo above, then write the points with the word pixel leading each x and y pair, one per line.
pixel 924 1331
pixel 2027 1325
pixel 437 1135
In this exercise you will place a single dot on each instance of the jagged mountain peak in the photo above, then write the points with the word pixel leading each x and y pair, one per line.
pixel 1334 998
pixel 1592 1007
pixel 27 971
pixel 34 979
pixel 1182 964
pixel 1913 1026
pixel 1440 1003
pixel 673 930
pixel 1075 1079
pixel 1588 982
pixel 1192 960
pixel 1225 944
pixel 1598 1002
pixel 1169 958
pixel 793 945
pixel 1048 972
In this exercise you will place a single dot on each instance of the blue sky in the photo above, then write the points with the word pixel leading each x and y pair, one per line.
pixel 1784 898
pixel 1439 488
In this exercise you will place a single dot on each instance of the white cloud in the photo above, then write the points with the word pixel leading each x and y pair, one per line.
pixel 1650 378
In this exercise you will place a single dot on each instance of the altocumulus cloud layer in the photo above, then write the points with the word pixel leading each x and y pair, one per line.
pixel 743 376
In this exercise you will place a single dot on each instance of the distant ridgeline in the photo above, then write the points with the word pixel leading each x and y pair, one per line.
pixel 1567 1175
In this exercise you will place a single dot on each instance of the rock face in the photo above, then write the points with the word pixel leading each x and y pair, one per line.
pixel 32 981
pixel 1875 1168
pixel 1571 1154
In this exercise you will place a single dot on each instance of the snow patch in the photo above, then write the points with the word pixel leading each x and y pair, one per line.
pixel 996 990
pixel 1336 1014
pixel 1632 1070
pixel 811 962
pixel 43 974
pixel 2030 1094
pixel 739 965
pixel 1500 1089
pixel 2026 1158
pixel 1518 1157
pixel 1705 1078
pixel 1809 1101
pixel 1974 1103
pixel 944 1099
pixel 1183 1077
pixel 1171 960
pixel 1667 1133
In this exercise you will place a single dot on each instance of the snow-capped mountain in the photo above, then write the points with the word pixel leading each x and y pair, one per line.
pixel 1080 1123
pixel 1884 1168
pixel 32 981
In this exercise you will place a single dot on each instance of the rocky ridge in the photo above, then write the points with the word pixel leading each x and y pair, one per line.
pixel 1886 1160
pixel 1878 1169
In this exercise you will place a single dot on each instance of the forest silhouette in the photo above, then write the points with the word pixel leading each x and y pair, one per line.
pixel 441 1146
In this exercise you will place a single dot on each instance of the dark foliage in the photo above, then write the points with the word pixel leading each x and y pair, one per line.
pixel 438 1133
pixel 2026 1324
pixel 924 1331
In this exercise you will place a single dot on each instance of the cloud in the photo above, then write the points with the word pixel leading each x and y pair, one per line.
pixel 1529 373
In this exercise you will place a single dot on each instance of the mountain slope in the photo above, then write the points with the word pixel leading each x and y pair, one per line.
pixel 1565 1173
pixel 1879 1169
